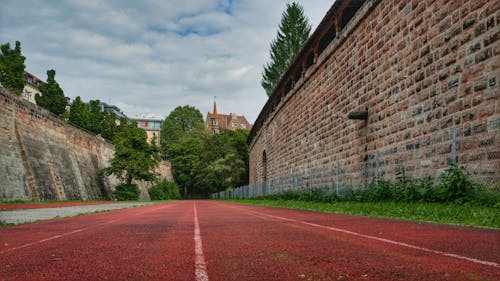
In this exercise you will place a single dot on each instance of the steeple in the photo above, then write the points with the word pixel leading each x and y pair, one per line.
pixel 215 109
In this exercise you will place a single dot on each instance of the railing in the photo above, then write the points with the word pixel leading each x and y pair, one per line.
pixel 476 153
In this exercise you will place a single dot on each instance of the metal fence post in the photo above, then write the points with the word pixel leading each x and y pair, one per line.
pixel 377 165
pixel 454 146
pixel 337 177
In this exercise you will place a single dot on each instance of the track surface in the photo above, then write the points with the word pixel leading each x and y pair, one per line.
pixel 204 240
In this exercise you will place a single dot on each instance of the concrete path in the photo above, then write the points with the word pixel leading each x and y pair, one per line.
pixel 32 215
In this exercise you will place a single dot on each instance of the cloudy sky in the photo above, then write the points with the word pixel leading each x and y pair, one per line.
pixel 152 56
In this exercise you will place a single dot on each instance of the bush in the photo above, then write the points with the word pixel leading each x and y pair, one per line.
pixel 164 190
pixel 126 192
pixel 487 195
pixel 455 185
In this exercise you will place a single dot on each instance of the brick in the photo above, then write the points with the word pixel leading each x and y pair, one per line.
pixel 491 38
pixel 483 55
pixel 469 22
pixel 493 124
pixel 474 47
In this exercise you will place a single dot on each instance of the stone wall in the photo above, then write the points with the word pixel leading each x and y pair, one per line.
pixel 419 68
pixel 44 158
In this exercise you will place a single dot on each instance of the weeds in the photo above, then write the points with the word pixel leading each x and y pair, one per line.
pixel 454 187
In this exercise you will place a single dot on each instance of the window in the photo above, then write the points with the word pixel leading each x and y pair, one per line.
pixel 214 122
pixel 243 126
pixel 234 124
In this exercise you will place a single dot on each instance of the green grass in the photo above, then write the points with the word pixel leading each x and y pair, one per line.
pixel 3 224
pixel 416 211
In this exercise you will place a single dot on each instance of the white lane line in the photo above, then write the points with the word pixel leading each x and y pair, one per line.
pixel 489 263
pixel 200 265
pixel 54 237
pixel 74 231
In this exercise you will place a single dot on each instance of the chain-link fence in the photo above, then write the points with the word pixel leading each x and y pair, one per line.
pixel 479 154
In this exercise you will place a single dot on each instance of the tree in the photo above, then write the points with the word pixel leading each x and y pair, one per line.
pixel 12 68
pixel 96 117
pixel 79 113
pixel 223 162
pixel 185 159
pixel 135 158
pixel 52 97
pixel 109 127
pixel 183 121
pixel 292 34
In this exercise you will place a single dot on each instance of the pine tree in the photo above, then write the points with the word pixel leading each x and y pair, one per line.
pixel 292 34
pixel 52 97
pixel 12 68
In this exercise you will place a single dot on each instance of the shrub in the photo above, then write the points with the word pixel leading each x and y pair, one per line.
pixel 456 186
pixel 164 190
pixel 426 190
pixel 126 192
pixel 487 195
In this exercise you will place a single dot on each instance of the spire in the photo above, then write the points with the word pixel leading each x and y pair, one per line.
pixel 215 108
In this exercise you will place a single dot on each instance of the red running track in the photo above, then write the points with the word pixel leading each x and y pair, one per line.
pixel 205 240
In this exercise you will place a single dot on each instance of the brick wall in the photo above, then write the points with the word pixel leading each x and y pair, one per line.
pixel 44 158
pixel 420 69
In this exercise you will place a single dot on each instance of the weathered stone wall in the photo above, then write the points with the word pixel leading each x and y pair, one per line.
pixel 420 69
pixel 44 158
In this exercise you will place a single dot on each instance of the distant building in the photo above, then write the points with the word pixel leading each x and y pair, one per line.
pixel 216 122
pixel 113 109
pixel 32 86
pixel 151 124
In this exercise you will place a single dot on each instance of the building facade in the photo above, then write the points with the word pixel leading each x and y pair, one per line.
pixel 113 109
pixel 216 122
pixel 152 125
pixel 32 87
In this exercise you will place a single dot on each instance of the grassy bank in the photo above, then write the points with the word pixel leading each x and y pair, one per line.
pixel 419 211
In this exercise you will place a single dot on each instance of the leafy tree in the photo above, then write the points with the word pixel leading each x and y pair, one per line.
pixel 96 117
pixel 224 162
pixel 238 141
pixel 183 121
pixel 52 97
pixel 79 113
pixel 223 173
pixel 135 158
pixel 164 190
pixel 12 68
pixel 292 34
pixel 109 127
pixel 185 159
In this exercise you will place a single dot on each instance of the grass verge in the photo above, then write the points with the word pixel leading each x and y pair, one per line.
pixel 417 211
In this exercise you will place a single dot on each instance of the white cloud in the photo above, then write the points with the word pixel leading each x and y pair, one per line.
pixel 152 56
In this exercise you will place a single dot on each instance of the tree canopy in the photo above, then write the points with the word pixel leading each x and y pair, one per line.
pixel 203 163
pixel 293 32
pixel 12 68
pixel 79 113
pixel 182 122
pixel 52 97
pixel 135 158
pixel 91 117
